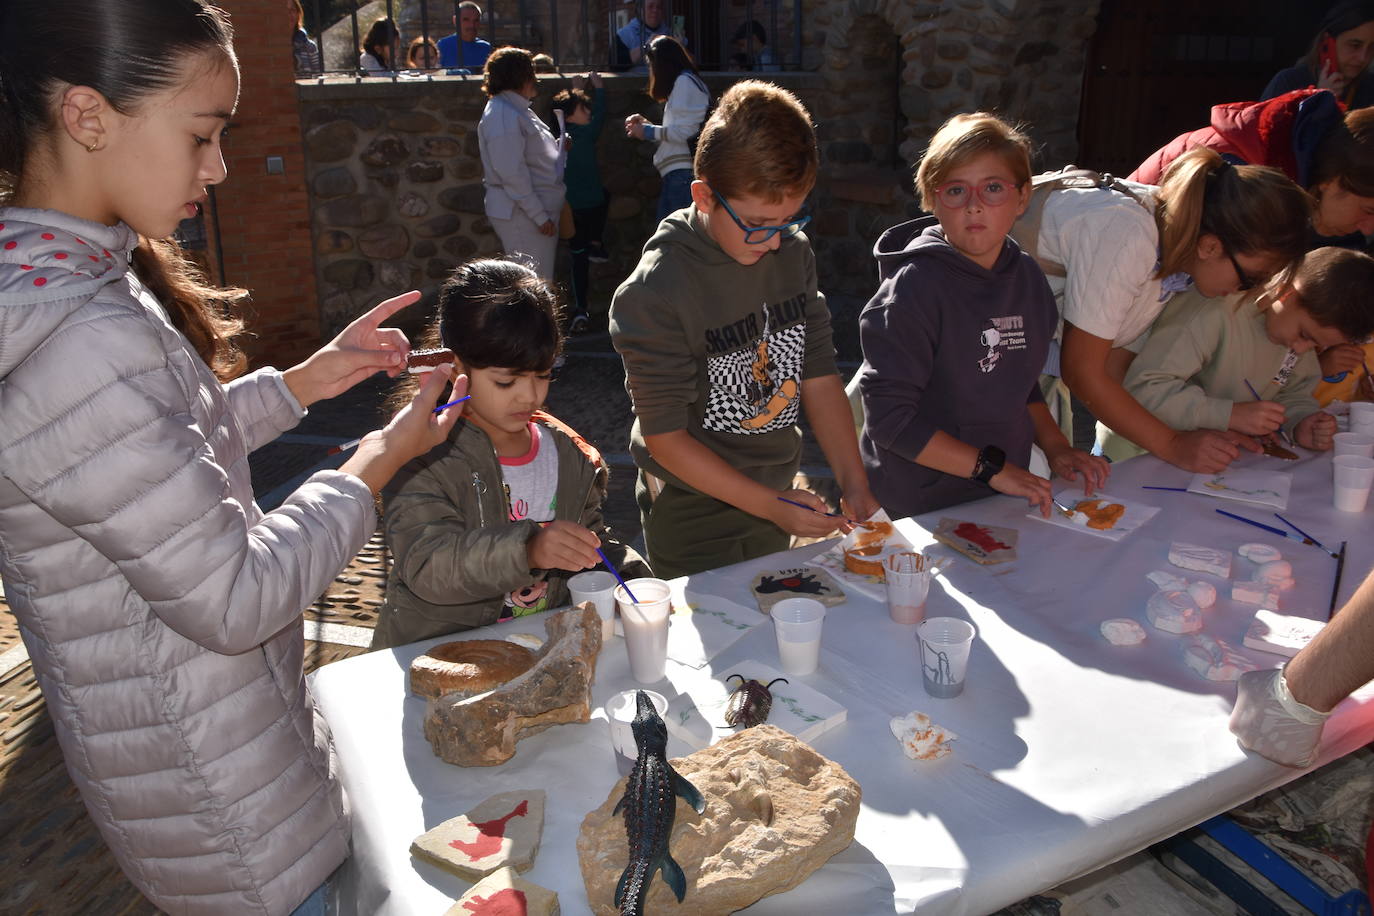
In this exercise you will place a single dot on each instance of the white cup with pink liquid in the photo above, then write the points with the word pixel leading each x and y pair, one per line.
pixel 907 576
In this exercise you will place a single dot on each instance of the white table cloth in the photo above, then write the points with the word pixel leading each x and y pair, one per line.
pixel 1071 753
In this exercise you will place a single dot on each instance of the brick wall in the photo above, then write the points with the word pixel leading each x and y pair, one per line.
pixel 264 220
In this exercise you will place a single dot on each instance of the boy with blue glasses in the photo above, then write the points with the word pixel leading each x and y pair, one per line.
pixel 725 338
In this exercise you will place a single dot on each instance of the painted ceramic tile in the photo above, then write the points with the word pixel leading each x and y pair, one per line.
pixel 701 626
pixel 697 715
pixel 1134 515
pixel 1262 488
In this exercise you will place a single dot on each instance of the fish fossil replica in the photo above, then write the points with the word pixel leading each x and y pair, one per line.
pixel 650 804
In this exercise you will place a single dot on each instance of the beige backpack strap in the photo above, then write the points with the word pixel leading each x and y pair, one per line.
pixel 1026 229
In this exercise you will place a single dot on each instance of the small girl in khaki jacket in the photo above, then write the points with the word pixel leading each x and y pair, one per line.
pixel 491 523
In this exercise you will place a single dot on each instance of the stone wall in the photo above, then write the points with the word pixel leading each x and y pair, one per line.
pixel 895 70
pixel 395 178
pixel 395 183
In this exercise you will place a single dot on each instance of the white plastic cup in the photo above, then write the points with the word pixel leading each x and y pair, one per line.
pixel 598 588
pixel 1362 418
pixel 908 583
pixel 797 625
pixel 620 713
pixel 1354 474
pixel 646 627
pixel 944 645
pixel 1353 444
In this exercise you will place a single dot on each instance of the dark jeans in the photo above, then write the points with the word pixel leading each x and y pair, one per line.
pixel 588 225
pixel 675 192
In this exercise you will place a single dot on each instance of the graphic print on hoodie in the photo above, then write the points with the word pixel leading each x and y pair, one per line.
pixel 950 347
pixel 754 370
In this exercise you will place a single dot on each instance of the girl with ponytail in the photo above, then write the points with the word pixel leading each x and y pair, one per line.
pixel 159 605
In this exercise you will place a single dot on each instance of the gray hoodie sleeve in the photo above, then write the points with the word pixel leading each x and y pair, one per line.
pixel 899 340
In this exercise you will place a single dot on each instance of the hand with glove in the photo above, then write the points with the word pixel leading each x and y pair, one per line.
pixel 1270 721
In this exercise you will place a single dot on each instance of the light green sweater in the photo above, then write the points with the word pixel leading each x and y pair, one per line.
pixel 1194 366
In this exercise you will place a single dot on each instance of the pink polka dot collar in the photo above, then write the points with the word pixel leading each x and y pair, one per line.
pixel 42 248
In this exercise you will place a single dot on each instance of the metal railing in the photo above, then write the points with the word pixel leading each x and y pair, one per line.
pixel 716 40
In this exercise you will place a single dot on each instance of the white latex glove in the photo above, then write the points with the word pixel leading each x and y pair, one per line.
pixel 1269 721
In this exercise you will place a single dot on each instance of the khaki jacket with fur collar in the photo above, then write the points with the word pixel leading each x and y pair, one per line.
pixel 455 551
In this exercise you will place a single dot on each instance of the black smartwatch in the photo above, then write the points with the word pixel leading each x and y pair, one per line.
pixel 990 461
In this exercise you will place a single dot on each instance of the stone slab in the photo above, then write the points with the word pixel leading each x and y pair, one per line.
pixel 504 893
pixel 502 832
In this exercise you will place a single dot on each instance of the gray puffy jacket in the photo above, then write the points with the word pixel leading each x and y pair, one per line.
pixel 160 607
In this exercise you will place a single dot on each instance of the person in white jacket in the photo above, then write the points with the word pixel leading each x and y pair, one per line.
pixel 521 165
pixel 675 81
pixel 160 607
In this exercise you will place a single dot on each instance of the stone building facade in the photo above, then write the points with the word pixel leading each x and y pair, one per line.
pixel 394 175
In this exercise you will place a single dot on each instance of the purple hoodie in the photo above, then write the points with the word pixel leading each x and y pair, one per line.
pixel 949 346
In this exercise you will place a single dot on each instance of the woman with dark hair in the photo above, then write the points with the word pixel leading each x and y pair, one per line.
pixel 520 165
pixel 161 608
pixel 377 56
pixel 675 81
pixel 1338 59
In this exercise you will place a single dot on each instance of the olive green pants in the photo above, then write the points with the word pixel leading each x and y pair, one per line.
pixel 687 532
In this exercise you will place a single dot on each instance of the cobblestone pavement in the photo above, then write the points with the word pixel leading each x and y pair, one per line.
pixel 55 862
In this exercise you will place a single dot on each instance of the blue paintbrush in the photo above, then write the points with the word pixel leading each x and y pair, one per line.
pixel 615 572
pixel 1282 435
pixel 1303 533
pixel 1272 530
pixel 451 403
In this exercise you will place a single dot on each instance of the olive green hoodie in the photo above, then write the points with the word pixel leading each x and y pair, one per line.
pixel 720 349
pixel 456 553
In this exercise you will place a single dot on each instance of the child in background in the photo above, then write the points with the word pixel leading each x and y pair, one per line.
pixel 584 114
pixel 422 54
pixel 956 335
pixel 491 523
pixel 1193 371
pixel 724 337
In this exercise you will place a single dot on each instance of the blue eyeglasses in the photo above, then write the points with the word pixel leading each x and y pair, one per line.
pixel 757 235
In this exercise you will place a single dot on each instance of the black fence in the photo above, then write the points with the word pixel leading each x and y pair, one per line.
pixel 576 35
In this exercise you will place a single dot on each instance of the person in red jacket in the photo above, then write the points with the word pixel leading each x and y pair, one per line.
pixel 1304 134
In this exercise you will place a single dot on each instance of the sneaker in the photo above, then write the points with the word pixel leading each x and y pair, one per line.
pixel 580 323
pixel 596 253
